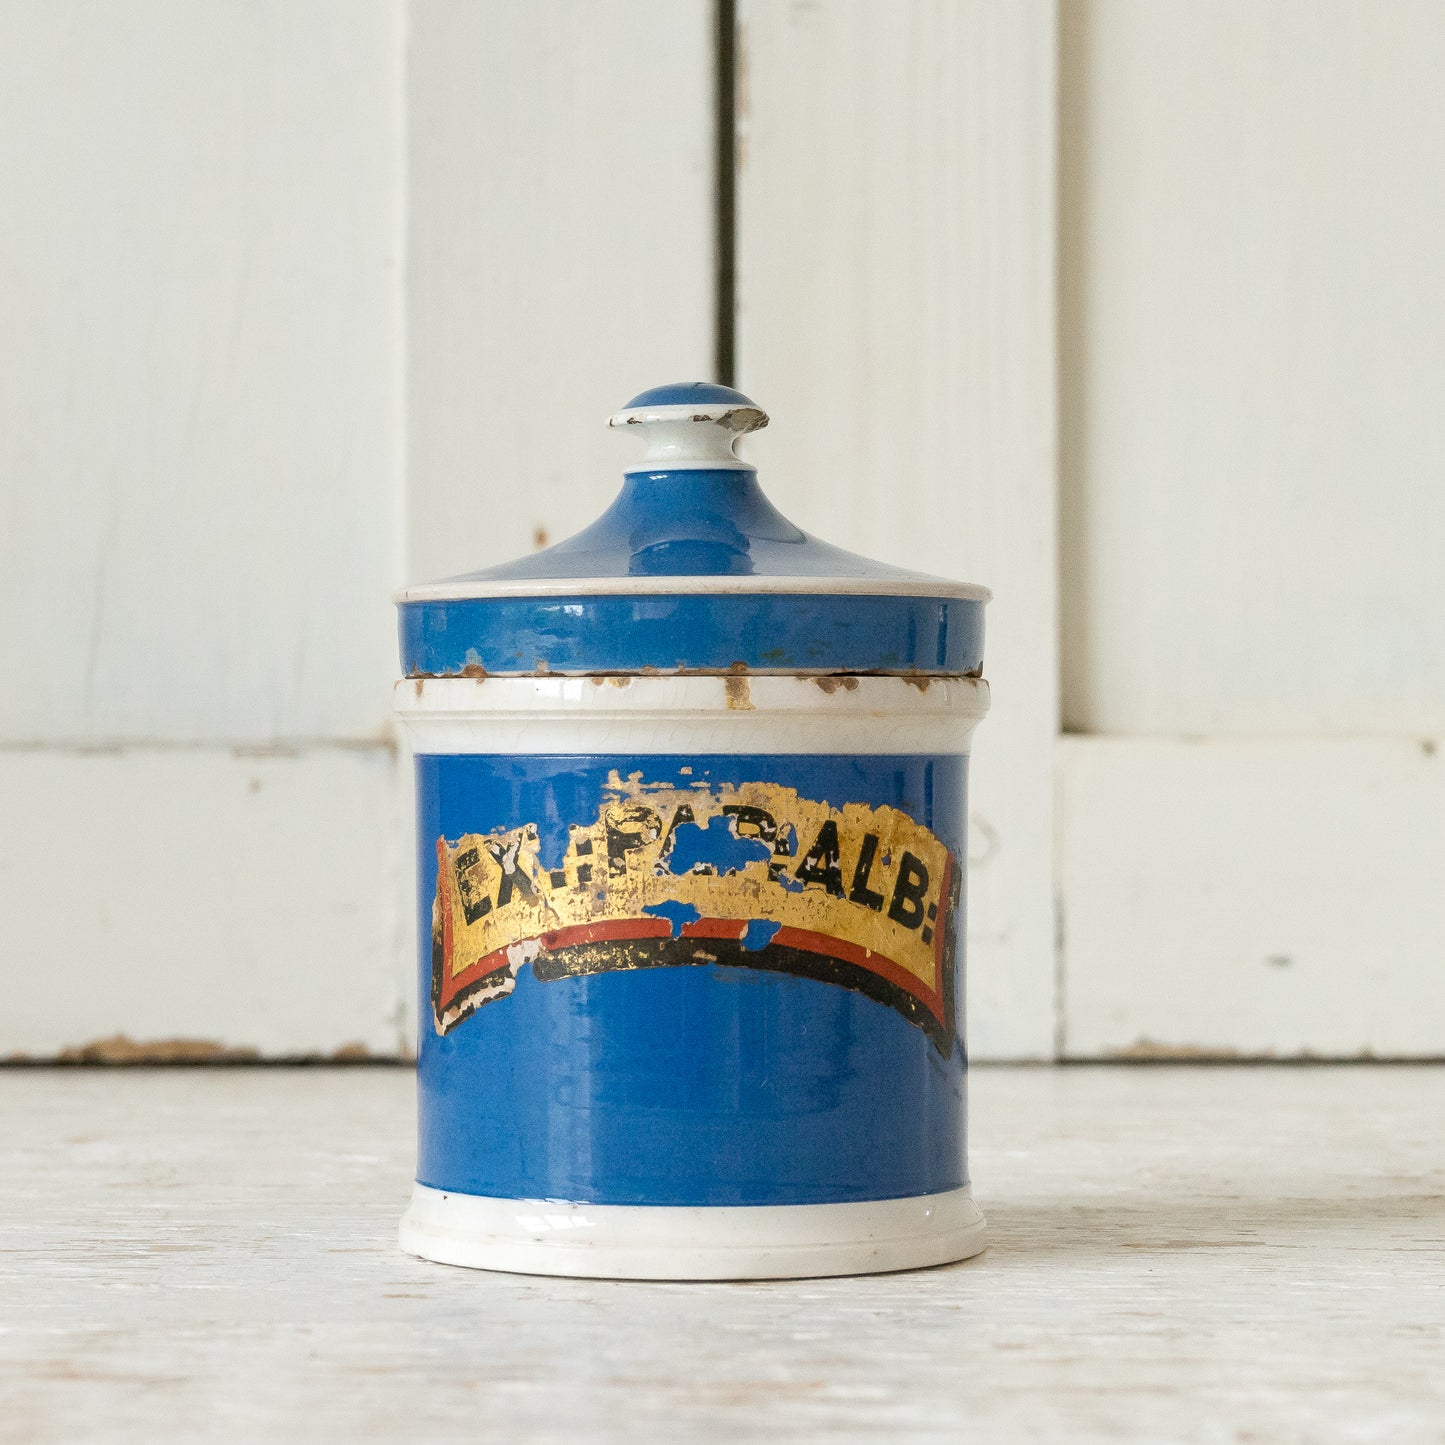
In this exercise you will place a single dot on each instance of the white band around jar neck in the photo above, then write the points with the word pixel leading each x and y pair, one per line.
pixel 695 714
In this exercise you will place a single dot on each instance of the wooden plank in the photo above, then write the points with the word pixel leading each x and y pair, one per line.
pixel 1252 364
pixel 198 369
pixel 1177 1254
pixel 200 902
pixel 561 253
pixel 895 294
pixel 1263 898
pixel 561 257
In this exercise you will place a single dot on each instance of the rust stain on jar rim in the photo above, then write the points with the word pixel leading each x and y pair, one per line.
pixel 828 681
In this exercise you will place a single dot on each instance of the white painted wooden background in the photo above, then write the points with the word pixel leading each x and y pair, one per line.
pixel 301 300
pixel 200 507
pixel 1253 490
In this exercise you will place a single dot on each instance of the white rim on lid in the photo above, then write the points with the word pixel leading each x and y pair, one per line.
pixel 460 589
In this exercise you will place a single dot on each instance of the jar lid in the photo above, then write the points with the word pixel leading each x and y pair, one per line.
pixel 692 569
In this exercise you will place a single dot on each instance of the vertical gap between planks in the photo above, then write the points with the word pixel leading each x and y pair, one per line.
pixel 725 162
pixel 1068 27
pixel 1071 190
pixel 404 1007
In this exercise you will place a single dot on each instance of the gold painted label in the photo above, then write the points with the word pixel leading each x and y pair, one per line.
pixel 749 874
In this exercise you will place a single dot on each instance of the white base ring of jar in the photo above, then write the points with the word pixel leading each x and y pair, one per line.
pixel 617 1241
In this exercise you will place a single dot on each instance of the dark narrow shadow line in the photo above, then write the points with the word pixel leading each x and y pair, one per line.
pixel 725 165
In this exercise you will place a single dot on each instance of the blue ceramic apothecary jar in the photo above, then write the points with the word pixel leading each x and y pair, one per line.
pixel 690 815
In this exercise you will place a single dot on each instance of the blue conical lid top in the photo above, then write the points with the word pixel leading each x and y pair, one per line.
pixel 692 568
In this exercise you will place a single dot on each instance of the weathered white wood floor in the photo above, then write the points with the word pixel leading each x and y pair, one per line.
pixel 1212 1254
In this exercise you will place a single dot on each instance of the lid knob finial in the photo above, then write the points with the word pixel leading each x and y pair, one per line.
pixel 691 426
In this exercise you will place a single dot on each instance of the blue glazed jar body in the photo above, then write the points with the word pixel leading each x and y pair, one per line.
pixel 690 1059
